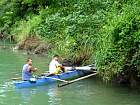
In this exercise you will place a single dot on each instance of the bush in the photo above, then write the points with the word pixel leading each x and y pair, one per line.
pixel 118 42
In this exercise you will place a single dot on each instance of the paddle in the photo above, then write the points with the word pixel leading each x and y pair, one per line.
pixel 61 80
pixel 18 78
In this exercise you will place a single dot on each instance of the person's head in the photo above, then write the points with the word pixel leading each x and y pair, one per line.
pixel 29 61
pixel 56 57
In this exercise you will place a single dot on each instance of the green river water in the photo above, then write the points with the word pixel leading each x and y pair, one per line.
pixel 86 92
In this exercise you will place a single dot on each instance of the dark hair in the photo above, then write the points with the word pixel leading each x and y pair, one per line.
pixel 55 56
pixel 28 59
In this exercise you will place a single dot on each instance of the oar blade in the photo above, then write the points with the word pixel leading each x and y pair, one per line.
pixel 18 78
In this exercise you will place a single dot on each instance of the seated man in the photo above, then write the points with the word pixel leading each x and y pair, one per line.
pixel 55 67
pixel 27 70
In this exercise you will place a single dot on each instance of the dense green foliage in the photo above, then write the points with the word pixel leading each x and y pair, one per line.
pixel 104 31
pixel 118 47
pixel 70 25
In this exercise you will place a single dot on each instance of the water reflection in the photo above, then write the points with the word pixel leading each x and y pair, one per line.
pixel 5 87
pixel 52 95
pixel 25 95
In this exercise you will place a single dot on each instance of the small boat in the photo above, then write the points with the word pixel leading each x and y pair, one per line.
pixel 44 80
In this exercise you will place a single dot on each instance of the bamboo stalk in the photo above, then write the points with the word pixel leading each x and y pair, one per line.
pixel 61 80
pixel 75 80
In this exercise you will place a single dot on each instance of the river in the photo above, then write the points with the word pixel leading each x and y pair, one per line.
pixel 86 92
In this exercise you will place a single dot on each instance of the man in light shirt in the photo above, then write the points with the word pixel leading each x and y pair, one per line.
pixel 55 67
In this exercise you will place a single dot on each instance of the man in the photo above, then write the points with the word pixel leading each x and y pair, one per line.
pixel 55 67
pixel 27 70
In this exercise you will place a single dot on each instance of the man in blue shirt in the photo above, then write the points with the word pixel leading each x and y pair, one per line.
pixel 27 70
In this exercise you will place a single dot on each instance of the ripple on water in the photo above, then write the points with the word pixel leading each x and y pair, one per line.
pixel 5 87
pixel 2 93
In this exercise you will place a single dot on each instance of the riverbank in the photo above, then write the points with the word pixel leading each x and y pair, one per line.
pixel 33 45
pixel 30 46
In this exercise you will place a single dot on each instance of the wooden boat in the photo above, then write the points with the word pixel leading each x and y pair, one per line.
pixel 44 80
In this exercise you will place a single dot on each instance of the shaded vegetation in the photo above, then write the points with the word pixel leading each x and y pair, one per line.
pixel 105 32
